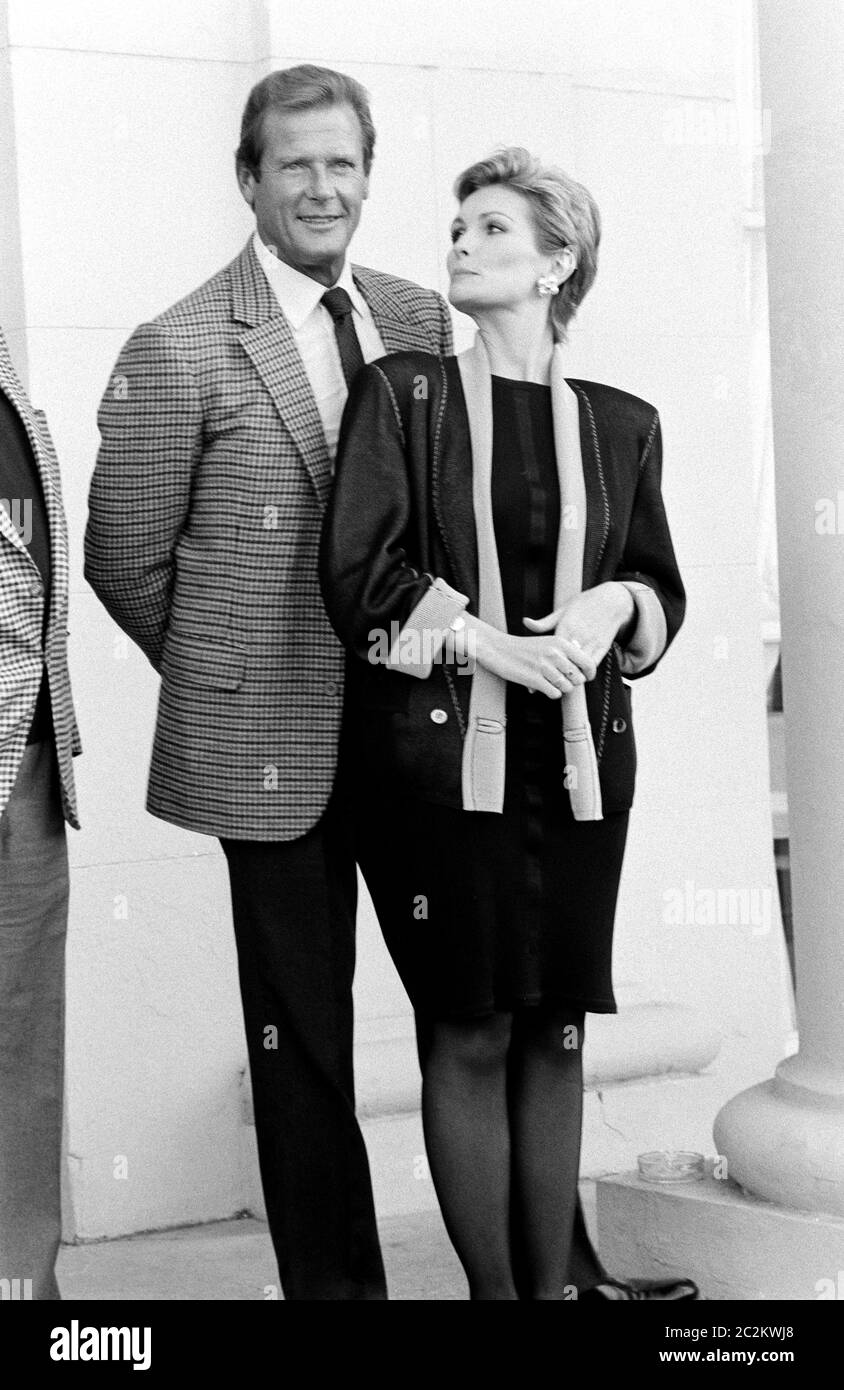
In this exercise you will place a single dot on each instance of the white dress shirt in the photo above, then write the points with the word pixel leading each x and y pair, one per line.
pixel 313 332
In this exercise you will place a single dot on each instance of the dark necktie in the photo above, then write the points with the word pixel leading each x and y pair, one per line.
pixel 339 306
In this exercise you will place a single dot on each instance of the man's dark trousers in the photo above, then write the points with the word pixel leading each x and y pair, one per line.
pixel 294 905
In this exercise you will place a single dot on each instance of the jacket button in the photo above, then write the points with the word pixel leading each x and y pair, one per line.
pixel 439 716
pixel 619 725
pixel 331 688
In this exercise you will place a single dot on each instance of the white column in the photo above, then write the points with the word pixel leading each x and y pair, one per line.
pixel 12 313
pixel 784 1139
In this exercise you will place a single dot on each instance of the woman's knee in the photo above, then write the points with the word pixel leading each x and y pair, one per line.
pixel 556 1031
pixel 476 1044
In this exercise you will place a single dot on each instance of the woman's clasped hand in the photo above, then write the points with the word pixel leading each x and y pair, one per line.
pixel 567 645
pixel 553 665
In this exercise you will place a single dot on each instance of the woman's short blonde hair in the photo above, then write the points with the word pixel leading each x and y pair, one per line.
pixel 564 212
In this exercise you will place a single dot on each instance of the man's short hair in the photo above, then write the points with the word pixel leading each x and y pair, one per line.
pixel 302 88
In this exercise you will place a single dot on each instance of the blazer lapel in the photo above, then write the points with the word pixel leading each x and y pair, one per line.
pixel 398 332
pixel 268 341
pixel 12 388
pixel 477 392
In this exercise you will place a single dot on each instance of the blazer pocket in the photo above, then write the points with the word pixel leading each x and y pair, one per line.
pixel 188 661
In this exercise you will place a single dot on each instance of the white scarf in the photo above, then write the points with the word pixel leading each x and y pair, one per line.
pixel 484 752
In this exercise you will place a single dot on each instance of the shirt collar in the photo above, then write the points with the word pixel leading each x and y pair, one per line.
pixel 297 294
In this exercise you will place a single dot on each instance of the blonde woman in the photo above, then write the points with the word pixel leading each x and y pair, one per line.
pixel 497 559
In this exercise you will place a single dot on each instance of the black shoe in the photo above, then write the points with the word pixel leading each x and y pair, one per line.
pixel 661 1290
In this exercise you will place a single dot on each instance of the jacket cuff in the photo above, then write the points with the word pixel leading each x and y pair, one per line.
pixel 650 634
pixel 417 645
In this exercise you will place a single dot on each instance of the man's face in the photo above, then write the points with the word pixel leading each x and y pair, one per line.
pixel 308 200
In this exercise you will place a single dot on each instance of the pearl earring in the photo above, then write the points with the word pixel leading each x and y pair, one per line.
pixel 547 284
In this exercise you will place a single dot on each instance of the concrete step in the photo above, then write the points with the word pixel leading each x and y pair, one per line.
pixel 233 1260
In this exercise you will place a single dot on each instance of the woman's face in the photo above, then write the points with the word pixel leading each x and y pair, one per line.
pixel 494 261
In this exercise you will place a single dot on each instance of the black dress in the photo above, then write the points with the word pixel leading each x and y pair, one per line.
pixel 484 912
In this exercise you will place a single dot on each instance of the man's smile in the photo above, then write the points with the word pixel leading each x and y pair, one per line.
pixel 320 219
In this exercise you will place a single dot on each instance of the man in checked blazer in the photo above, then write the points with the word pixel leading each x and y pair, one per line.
pixel 38 740
pixel 219 427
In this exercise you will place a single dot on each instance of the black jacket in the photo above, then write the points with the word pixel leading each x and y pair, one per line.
pixel 401 514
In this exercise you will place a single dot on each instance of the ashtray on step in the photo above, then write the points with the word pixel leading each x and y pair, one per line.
pixel 671 1165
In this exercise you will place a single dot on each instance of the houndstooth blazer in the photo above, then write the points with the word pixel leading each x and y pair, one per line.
pixel 22 598
pixel 202 542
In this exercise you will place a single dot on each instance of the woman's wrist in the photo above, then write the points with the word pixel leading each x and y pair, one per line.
pixel 478 641
pixel 626 608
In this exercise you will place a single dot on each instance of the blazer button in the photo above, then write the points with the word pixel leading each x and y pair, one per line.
pixel 619 725
pixel 36 588
pixel 439 716
pixel 331 688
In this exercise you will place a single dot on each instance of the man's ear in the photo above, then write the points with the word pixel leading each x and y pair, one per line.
pixel 246 183
pixel 365 193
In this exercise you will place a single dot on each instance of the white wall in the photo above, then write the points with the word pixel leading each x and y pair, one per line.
pixel 125 119
pixel 12 313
